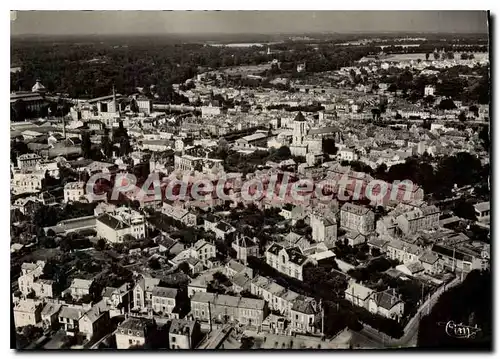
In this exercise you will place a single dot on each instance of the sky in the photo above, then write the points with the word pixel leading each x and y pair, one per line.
pixel 251 22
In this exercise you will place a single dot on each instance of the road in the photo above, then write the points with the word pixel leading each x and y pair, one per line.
pixel 56 341
pixel 369 337
pixel 215 338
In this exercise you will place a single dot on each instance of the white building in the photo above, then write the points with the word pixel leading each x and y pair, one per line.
pixel 323 229
pixel 245 247
pixel 31 182
pixel 289 261
pixel 27 312
pixel 74 192
pixel 429 90
pixel 114 226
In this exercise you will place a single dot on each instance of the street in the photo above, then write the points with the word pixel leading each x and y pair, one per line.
pixel 371 338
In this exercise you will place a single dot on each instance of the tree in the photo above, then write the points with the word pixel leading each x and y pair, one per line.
pixel 474 109
pixel 328 146
pixel 134 107
pixel 86 145
pixel 125 147
pixel 462 117
pixel 106 145
pixel 375 113
pixel 484 136
pixel 20 110
pixel 450 55
pixel 447 104
pixel 436 55
pixel 464 209
pixel 101 244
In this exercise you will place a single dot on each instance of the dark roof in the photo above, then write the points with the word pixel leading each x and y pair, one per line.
pixel 300 117
pixel 164 292
pixel 111 221
pixel 296 256
pixel 304 306
pixel 224 227
pixel 385 299
pixel 136 325
pixel 275 248
pixel 181 326
pixel 446 251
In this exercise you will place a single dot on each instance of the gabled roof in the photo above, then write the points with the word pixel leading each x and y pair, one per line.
pixel 164 292
pixel 295 256
pixel 304 306
pixel 385 299
pixel 300 117
pixel 274 248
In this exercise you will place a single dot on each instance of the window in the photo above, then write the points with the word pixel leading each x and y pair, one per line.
pixel 130 342
pixel 173 339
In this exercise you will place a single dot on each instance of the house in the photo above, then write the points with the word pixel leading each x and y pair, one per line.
pixel 303 315
pixel 289 261
pixel 357 218
pixel 411 269
pixel 134 332
pixel 30 272
pixel 184 334
pixel 210 222
pixel 179 214
pixel 323 229
pixel 386 304
pixel 387 226
pixel 28 161
pixel 404 252
pixel 276 296
pixel 223 229
pixel 204 250
pixel 358 294
pixel 27 182
pixel 114 227
pixel 50 314
pixel 482 211
pixel 143 292
pixel 167 244
pixel 74 192
pixel 241 282
pixel 225 308
pixel 98 167
pixel 27 312
pixel 378 244
pixel 80 287
pixel 94 321
pixel 355 238
pixel 347 154
pixel 195 265
pixel 419 218
pixel 69 318
pixel 245 247
pixel 233 268
pixel 293 239
pixel 430 262
pixel 117 299
pixel 164 300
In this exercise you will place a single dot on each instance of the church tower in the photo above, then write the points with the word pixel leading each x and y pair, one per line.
pixel 299 129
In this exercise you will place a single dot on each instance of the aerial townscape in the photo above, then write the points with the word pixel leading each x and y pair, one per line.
pixel 280 191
